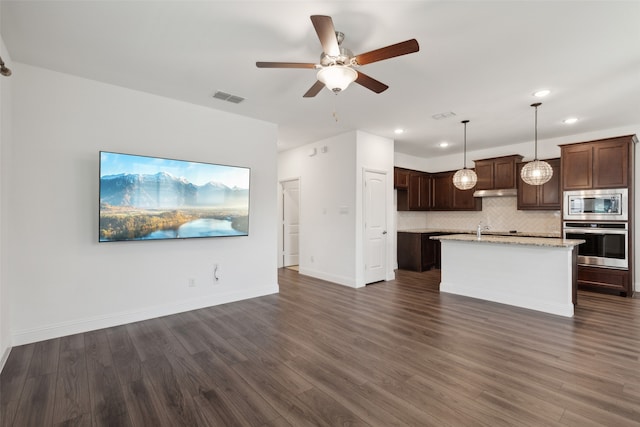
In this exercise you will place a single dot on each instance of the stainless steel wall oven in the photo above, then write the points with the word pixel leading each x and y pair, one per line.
pixel 606 244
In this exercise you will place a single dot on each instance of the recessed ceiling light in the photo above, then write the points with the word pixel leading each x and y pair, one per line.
pixel 570 120
pixel 398 131
pixel 541 93
pixel 443 144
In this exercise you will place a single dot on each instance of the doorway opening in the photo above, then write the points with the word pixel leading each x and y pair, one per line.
pixel 291 224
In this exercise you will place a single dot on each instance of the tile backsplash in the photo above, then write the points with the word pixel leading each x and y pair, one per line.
pixel 499 213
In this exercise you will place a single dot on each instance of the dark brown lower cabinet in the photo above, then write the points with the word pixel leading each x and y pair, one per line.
pixel 598 278
pixel 417 251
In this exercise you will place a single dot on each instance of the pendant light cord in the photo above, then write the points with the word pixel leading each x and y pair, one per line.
pixel 535 131
pixel 464 165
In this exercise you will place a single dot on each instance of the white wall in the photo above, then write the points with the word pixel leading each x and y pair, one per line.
pixel 5 141
pixel 331 201
pixel 61 279
pixel 327 187
pixel 374 153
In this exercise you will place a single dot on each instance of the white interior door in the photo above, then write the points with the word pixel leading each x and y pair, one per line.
pixel 375 226
pixel 290 222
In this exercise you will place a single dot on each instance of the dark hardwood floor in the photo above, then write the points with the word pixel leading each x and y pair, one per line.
pixel 392 354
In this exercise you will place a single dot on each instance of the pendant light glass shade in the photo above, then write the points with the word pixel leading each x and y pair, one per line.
pixel 536 172
pixel 337 77
pixel 465 179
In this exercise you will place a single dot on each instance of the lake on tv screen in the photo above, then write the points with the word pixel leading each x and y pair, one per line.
pixel 181 200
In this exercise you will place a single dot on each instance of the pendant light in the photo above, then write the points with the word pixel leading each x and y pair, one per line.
pixel 536 172
pixel 464 179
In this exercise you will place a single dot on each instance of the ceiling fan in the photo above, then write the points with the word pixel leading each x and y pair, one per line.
pixel 336 68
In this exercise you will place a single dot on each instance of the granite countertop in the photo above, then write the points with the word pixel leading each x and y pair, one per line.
pixel 484 232
pixel 513 240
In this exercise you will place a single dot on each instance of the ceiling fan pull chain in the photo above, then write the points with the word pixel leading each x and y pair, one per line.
pixel 335 112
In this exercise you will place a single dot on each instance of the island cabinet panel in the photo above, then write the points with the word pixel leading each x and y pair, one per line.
pixel 417 251
pixel 603 163
pixel 507 270
pixel 497 173
pixel 540 197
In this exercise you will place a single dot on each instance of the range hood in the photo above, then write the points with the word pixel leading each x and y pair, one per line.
pixel 506 192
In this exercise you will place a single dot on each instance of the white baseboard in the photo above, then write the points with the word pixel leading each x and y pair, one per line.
pixel 340 280
pixel 116 319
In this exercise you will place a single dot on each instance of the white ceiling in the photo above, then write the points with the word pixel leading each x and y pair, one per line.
pixel 481 60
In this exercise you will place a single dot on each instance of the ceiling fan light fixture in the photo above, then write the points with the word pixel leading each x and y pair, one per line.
pixel 465 179
pixel 3 69
pixel 536 172
pixel 337 77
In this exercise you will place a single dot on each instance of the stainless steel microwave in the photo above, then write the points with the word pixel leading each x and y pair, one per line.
pixel 598 205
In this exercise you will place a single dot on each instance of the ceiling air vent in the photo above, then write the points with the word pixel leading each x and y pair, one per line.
pixel 445 115
pixel 228 97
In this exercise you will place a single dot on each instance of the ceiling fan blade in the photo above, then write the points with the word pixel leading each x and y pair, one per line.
pixel 314 90
pixel 371 83
pixel 284 65
pixel 326 33
pixel 398 49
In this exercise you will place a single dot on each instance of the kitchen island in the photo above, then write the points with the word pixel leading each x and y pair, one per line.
pixel 417 251
pixel 529 272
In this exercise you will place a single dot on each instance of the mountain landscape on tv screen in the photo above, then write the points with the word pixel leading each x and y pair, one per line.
pixel 162 206
pixel 165 191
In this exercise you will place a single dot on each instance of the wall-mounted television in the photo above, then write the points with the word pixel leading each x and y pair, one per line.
pixel 150 198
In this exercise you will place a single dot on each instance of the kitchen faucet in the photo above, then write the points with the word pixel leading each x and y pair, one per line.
pixel 479 230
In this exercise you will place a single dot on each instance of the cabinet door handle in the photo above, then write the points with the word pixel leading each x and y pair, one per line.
pixel 384 232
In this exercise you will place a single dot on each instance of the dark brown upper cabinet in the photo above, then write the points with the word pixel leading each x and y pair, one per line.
pixel 497 173
pixel 442 191
pixel 446 197
pixel 434 191
pixel 604 163
pixel 419 191
pixel 401 178
pixel 547 196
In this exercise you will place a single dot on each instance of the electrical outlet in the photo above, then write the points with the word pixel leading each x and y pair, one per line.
pixel 191 282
